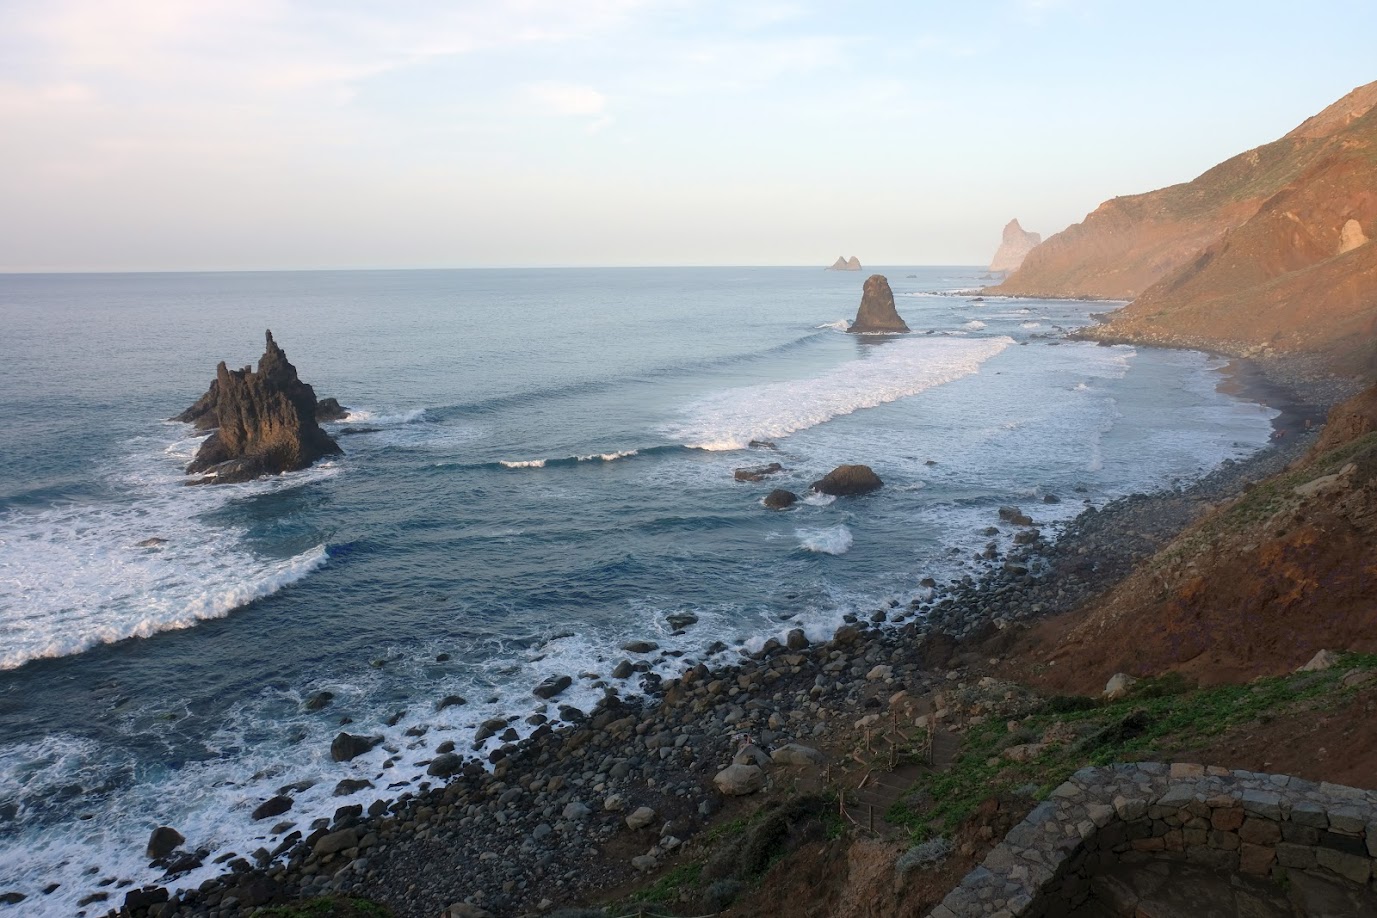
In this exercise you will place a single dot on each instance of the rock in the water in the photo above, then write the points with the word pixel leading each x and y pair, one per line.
pixel 643 817
pixel 739 780
pixel 151 543
pixel 623 670
pixel 1015 516
pixel 640 646
pixel 680 620
pixel 796 640
pixel 848 480
pixel 328 409
pixel 163 840
pixel 780 499
pixel 552 686
pixel 450 701
pixel 1014 247
pixel 265 422
pixel 845 264
pixel 877 313
pixel 348 746
pixel 758 473
pixel 351 786
pixel 1118 686
pixel 274 806
pixel 796 754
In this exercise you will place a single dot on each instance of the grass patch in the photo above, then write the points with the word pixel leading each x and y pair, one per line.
pixel 668 887
pixel 1157 716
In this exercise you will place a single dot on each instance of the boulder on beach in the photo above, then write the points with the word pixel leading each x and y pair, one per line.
pixel 739 780
pixel 758 473
pixel 780 499
pixel 877 314
pixel 848 481
pixel 265 422
pixel 163 841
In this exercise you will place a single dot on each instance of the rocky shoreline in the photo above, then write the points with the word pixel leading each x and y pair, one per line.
pixel 572 811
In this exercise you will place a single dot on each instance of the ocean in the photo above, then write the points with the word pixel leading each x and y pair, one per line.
pixel 538 469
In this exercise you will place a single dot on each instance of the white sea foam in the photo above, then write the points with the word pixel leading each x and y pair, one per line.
pixel 835 540
pixel 974 325
pixel 818 499
pixel 609 457
pixel 731 419
pixel 839 325
pixel 523 463
pixel 75 576
pixel 1031 325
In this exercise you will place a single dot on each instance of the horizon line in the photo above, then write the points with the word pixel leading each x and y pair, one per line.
pixel 38 272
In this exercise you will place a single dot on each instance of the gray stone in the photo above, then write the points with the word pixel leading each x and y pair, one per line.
pixel 797 754
pixel 337 841
pixel 739 780
pixel 642 817
pixel 163 841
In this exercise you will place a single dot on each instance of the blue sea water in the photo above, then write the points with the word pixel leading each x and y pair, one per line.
pixel 538 469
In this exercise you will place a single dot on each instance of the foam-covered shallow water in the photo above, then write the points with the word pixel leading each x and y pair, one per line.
pixel 538 470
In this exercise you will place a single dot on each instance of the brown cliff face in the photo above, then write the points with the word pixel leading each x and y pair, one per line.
pixel 877 313
pixel 1014 247
pixel 1266 249
pixel 1255 588
pixel 265 422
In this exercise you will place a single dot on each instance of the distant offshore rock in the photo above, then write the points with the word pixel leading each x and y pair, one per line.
pixel 877 314
pixel 845 264
pixel 265 422
pixel 1016 245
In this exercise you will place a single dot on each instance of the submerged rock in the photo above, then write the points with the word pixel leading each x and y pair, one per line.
pixel 759 473
pixel 877 313
pixel 848 480
pixel 264 420
pixel 552 686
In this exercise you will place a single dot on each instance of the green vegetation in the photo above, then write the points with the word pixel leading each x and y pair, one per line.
pixel 669 886
pixel 1158 716
pixel 328 907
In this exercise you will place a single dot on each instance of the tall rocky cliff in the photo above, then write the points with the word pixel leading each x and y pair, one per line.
pixel 1270 249
pixel 1014 247
pixel 265 422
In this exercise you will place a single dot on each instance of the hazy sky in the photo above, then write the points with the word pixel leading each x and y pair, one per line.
pixel 184 134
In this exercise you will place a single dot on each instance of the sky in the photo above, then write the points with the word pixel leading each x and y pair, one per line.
pixel 296 134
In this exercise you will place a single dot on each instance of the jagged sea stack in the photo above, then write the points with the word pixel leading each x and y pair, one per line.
pixel 1014 247
pixel 877 314
pixel 265 422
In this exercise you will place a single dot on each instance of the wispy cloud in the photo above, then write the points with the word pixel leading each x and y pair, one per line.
pixel 564 99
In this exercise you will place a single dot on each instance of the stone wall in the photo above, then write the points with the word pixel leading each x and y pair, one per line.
pixel 1239 821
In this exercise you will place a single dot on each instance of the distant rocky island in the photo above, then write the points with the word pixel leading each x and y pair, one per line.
pixel 877 314
pixel 263 423
pixel 845 264
pixel 1266 253
pixel 1016 245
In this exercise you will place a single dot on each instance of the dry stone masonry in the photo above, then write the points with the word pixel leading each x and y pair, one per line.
pixel 1237 822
